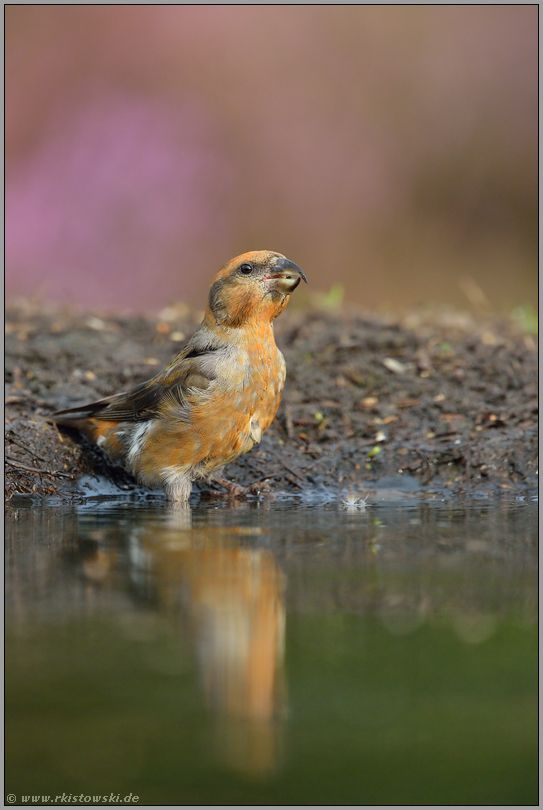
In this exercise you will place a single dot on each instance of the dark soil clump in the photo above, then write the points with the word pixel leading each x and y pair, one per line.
pixel 440 399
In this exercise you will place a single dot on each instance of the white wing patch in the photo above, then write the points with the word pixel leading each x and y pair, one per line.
pixel 136 442
pixel 254 430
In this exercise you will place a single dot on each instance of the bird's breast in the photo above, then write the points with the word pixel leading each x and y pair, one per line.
pixel 222 423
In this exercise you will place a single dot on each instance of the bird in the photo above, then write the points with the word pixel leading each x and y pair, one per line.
pixel 215 399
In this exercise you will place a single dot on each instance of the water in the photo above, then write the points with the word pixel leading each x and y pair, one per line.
pixel 273 653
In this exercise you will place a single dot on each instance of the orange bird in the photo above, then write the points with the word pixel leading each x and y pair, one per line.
pixel 214 401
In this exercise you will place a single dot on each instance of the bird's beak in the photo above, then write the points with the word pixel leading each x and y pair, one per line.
pixel 284 276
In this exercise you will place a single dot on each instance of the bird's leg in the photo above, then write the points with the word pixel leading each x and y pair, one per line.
pixel 178 489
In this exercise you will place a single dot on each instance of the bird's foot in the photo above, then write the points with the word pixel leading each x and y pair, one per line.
pixel 237 490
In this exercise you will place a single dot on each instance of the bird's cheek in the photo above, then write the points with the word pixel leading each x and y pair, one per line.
pixel 240 304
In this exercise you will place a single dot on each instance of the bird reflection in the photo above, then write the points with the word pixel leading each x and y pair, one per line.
pixel 233 597
pixel 240 620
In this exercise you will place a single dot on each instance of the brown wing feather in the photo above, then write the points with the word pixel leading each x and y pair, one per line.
pixel 147 399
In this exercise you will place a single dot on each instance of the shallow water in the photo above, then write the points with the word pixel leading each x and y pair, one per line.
pixel 273 653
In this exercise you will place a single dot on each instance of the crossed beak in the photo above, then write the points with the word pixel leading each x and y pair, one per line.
pixel 284 276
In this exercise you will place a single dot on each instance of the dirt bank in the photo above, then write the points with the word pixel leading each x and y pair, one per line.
pixel 438 400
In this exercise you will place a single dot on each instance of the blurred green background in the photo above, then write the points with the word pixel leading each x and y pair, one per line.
pixel 391 150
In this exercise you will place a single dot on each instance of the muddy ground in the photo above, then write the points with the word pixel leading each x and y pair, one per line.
pixel 436 401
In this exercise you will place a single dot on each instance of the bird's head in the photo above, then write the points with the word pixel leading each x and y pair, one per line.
pixel 252 287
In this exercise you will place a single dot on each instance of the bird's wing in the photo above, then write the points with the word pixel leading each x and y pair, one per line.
pixel 187 374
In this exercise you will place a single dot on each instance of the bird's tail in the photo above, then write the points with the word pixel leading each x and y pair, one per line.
pixel 75 417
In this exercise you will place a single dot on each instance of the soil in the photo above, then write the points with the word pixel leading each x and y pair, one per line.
pixel 431 401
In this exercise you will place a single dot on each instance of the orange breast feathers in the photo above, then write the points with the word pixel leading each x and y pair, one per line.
pixel 215 400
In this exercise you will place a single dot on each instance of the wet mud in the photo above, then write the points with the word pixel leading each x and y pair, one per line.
pixel 433 401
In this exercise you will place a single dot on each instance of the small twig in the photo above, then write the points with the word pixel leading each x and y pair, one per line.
pixel 288 422
pixel 261 480
pixel 59 433
pixel 293 481
pixel 14 400
pixel 280 428
pixel 291 471
pixel 13 440
pixel 289 434
pixel 17 399
pixel 17 465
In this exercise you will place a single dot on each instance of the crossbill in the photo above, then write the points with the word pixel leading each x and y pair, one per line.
pixel 216 399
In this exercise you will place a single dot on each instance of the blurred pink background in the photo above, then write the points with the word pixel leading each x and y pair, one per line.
pixel 390 149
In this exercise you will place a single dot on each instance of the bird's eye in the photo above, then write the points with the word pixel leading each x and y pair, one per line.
pixel 246 269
